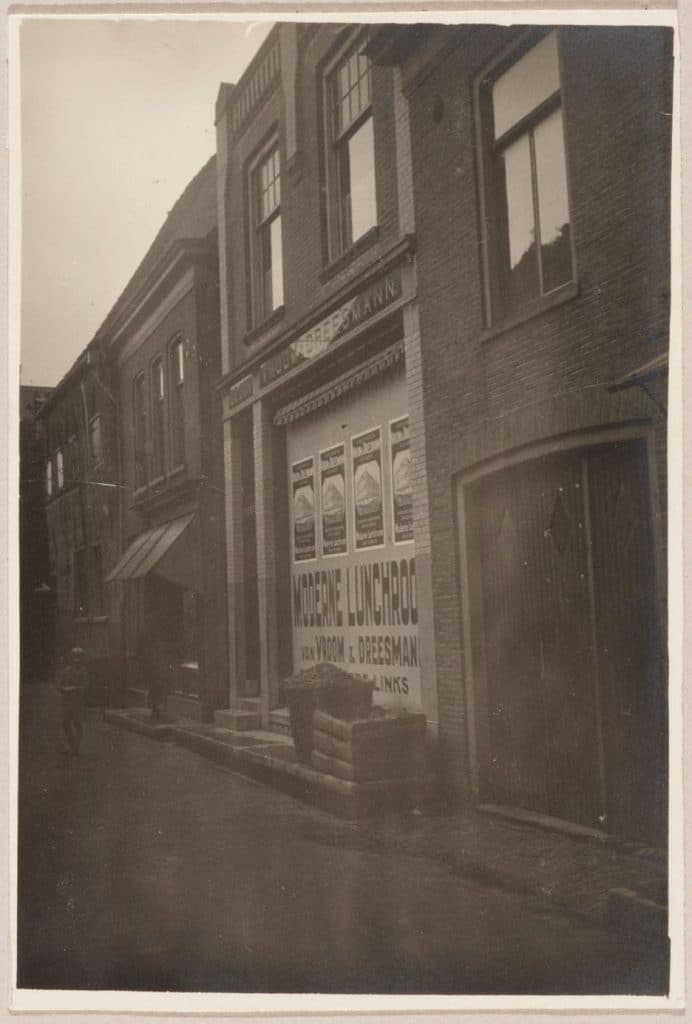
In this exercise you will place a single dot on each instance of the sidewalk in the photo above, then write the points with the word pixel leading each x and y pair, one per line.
pixel 617 885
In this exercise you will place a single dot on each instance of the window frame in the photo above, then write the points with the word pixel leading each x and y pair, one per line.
pixel 49 477
pixel 60 468
pixel 498 310
pixel 140 417
pixel 96 459
pixel 176 404
pixel 157 399
pixel 259 232
pixel 340 241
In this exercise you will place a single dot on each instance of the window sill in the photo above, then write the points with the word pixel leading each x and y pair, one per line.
pixel 557 298
pixel 256 332
pixel 350 254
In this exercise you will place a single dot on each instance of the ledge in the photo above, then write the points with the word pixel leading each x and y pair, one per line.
pixel 565 294
pixel 347 257
pixel 257 332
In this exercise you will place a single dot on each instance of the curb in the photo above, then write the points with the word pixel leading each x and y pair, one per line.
pixel 125 721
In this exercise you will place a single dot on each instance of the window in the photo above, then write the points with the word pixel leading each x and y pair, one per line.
pixel 529 238
pixel 140 428
pixel 95 440
pixel 158 398
pixel 61 468
pixel 49 478
pixel 177 408
pixel 351 157
pixel 267 256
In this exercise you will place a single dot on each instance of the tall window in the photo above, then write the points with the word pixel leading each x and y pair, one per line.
pixel 139 412
pixel 158 420
pixel 95 440
pixel 527 205
pixel 61 468
pixel 177 406
pixel 351 160
pixel 268 277
pixel 49 478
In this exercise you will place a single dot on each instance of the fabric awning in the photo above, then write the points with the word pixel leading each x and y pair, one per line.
pixel 171 550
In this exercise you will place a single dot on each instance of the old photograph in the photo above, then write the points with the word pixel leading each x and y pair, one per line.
pixel 343 505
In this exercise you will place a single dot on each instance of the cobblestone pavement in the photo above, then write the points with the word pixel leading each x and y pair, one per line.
pixel 145 866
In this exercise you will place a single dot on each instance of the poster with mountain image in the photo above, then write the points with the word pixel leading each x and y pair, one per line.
pixel 303 510
pixel 402 495
pixel 333 495
pixel 366 450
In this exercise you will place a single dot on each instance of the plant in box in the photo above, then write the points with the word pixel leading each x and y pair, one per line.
pixel 325 687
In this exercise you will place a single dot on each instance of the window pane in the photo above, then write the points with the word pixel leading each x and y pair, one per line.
pixel 533 78
pixel 361 158
pixel 553 206
pixel 523 268
pixel 277 264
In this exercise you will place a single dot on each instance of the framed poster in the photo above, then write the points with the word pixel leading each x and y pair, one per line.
pixel 303 484
pixel 368 516
pixel 402 494
pixel 333 500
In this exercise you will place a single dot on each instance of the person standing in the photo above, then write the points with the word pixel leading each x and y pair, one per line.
pixel 73 685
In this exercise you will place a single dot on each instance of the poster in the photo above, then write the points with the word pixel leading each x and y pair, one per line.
pixel 303 477
pixel 333 500
pixel 402 495
pixel 366 451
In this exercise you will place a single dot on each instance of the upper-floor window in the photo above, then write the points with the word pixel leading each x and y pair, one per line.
pixel 95 448
pixel 49 478
pixel 60 465
pixel 72 474
pixel 177 406
pixel 525 192
pixel 351 150
pixel 267 250
pixel 158 420
pixel 139 414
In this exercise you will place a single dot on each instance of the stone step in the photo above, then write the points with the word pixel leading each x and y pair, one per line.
pixel 249 704
pixel 279 721
pixel 237 719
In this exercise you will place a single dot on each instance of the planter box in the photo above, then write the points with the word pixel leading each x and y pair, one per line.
pixel 327 688
pixel 384 747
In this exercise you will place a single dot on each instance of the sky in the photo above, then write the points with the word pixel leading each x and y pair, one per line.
pixel 116 117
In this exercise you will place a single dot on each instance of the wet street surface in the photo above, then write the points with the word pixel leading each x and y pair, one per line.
pixel 143 866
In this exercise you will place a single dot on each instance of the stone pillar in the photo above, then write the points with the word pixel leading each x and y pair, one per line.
pixel 265 498
pixel 235 562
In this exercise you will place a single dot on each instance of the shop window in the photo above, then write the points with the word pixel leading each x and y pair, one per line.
pixel 49 478
pixel 267 246
pixel 81 584
pixel 527 216
pixel 60 465
pixel 158 399
pixel 351 150
pixel 140 429
pixel 95 448
pixel 177 406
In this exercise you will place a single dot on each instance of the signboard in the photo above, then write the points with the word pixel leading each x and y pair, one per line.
pixel 363 616
pixel 368 514
pixel 313 342
pixel 303 494
pixel 333 500
pixel 239 392
pixel 402 493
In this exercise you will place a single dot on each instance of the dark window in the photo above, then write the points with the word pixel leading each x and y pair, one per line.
pixel 139 398
pixel 267 256
pixel 351 157
pixel 177 406
pixel 158 398
pixel 525 176
pixel 95 441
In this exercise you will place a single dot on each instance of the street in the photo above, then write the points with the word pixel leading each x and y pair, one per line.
pixel 143 866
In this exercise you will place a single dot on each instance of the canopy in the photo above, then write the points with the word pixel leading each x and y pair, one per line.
pixel 171 550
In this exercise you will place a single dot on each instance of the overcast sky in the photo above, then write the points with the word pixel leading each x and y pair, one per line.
pixel 117 117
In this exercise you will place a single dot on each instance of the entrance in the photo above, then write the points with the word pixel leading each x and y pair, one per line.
pixel 566 646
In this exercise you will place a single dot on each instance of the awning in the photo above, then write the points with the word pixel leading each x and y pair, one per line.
pixel 171 550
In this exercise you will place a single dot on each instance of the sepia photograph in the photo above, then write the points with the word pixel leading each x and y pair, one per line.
pixel 344 663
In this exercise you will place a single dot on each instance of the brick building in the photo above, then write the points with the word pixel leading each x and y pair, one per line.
pixel 78 423
pixel 36 585
pixel 162 337
pixel 327 539
pixel 541 171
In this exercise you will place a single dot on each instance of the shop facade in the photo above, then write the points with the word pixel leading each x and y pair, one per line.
pixel 544 280
pixel 326 493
